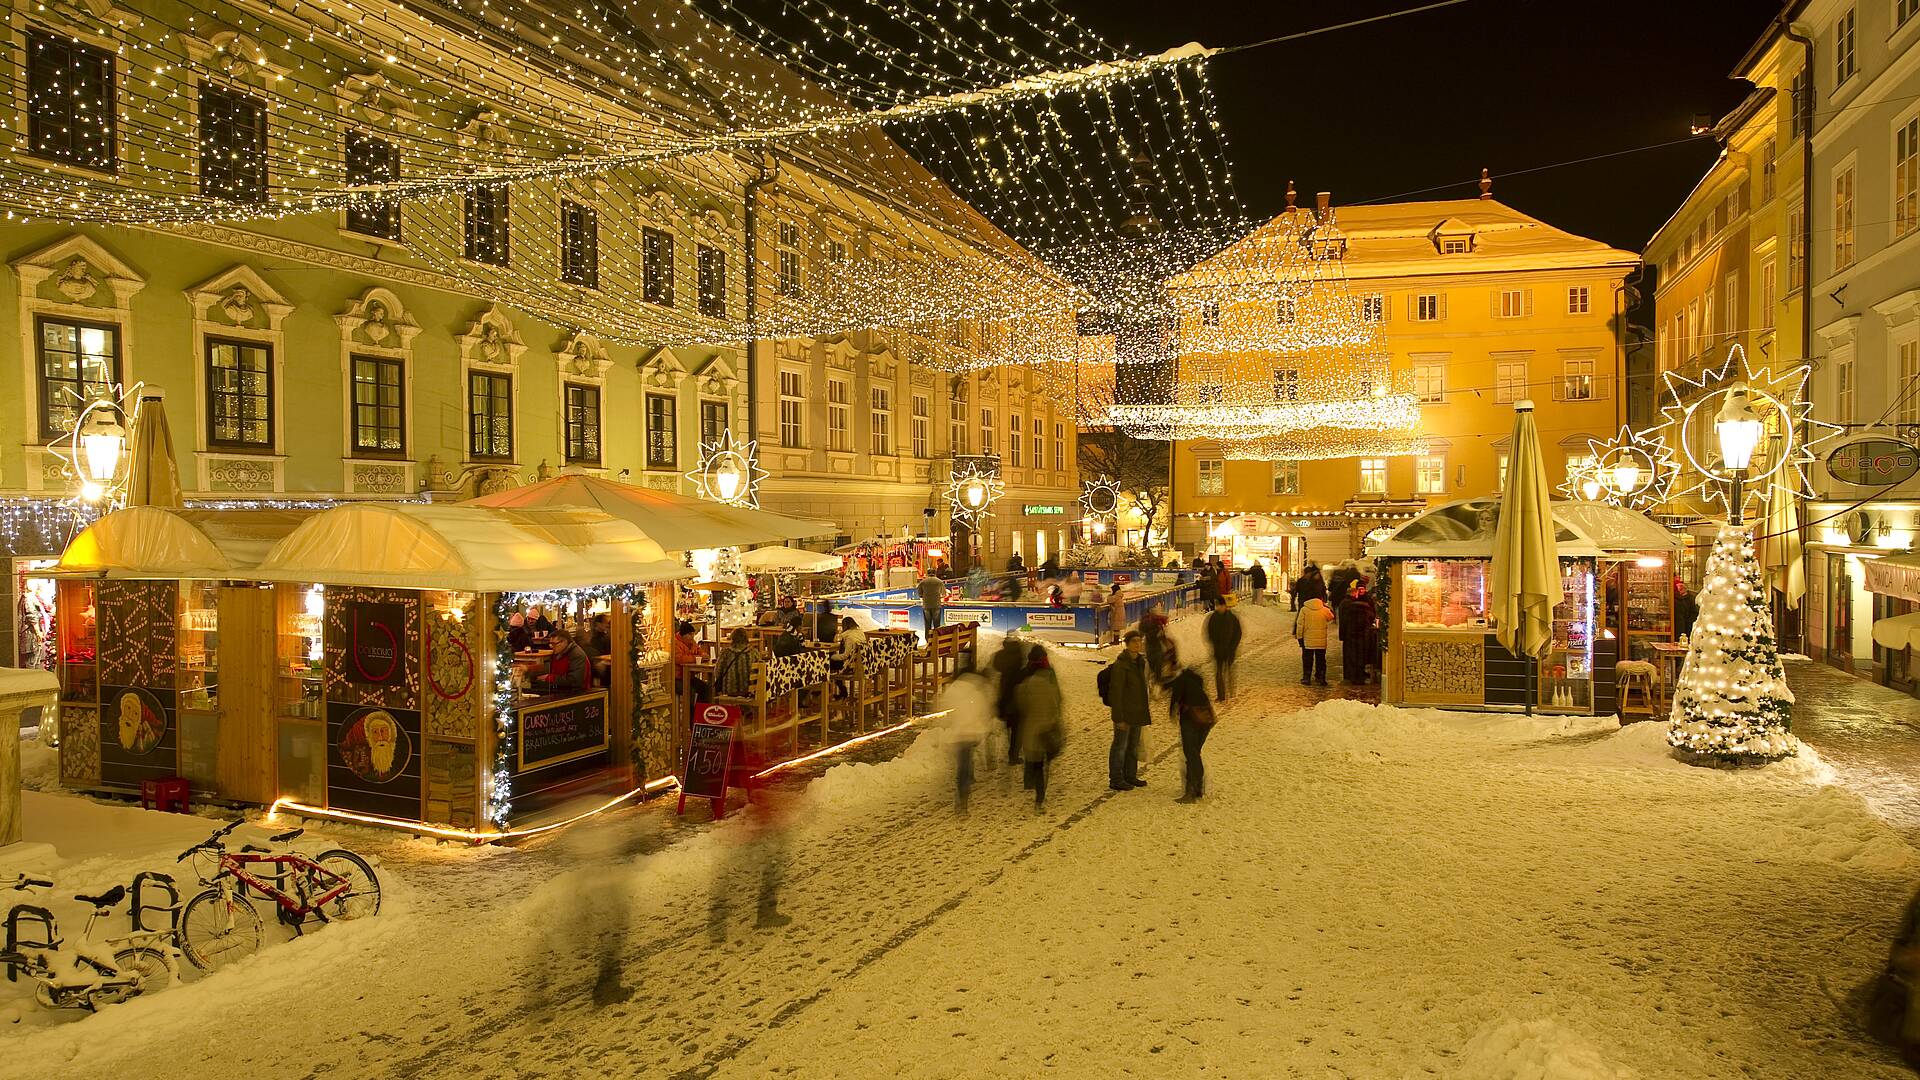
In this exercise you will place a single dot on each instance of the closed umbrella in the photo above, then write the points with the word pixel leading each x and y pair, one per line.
pixel 153 479
pixel 1780 548
pixel 1526 560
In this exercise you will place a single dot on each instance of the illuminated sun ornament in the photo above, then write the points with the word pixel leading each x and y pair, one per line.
pixel 94 453
pixel 1633 469
pixel 971 493
pixel 1787 438
pixel 729 471
pixel 1100 498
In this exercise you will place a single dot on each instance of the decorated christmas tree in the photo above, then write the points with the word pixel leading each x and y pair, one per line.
pixel 1732 705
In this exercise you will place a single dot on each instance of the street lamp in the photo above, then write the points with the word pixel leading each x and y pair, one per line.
pixel 1738 428
pixel 1591 488
pixel 975 493
pixel 1626 478
pixel 726 479
pixel 102 440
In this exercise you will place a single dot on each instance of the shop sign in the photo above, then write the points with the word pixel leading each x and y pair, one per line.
pixel 375 630
pixel 899 619
pixel 1045 510
pixel 1057 620
pixel 1873 462
pixel 977 616
pixel 709 749
pixel 562 731
pixel 1123 579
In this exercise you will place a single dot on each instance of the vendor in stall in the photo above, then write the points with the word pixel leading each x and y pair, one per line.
pixel 568 670
pixel 600 647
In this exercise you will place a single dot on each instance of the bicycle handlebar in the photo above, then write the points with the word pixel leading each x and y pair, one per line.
pixel 23 883
pixel 212 841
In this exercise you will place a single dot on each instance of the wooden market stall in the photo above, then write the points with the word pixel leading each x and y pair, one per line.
pixel 1441 650
pixel 361 666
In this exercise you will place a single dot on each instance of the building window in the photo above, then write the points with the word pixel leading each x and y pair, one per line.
pixel 71 113
pixel 789 250
pixel 1769 285
pixel 957 420
pixel 1801 102
pixel 486 224
pixel 233 145
pixel 1429 307
pixel 1509 380
pixel 1730 303
pixel 656 267
pixel 922 433
pixel 489 416
pixel 1576 380
pixel 583 424
pixel 1843 388
pixel 1698 326
pixel 1843 60
pixel 1843 218
pixel 372 160
pixel 239 394
pixel 1373 476
pixel 1454 245
pixel 1500 467
pixel 1430 381
pixel 1430 474
pixel 1373 308
pixel 987 434
pixel 379 406
pixel 1059 446
pixel 579 244
pixel 1579 467
pixel 1578 300
pixel 1796 247
pixel 78 362
pixel 1210 313
pixel 1039 444
pixel 663 425
pixel 711 263
pixel 1908 354
pixel 1906 175
pixel 1213 477
pixel 836 251
pixel 1286 310
pixel 880 421
pixel 1013 439
pixel 1286 384
pixel 793 406
pixel 839 415
pixel 1514 303
pixel 1769 169
pixel 713 422
pixel 1904 10
pixel 1286 478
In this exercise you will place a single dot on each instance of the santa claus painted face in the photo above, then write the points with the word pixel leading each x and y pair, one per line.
pixel 381 741
pixel 129 720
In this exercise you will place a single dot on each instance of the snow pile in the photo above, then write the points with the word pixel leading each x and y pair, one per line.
pixel 1512 1049
pixel 1833 825
pixel 1363 732
pixel 39 766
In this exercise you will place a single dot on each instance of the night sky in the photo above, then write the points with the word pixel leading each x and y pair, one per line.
pixel 1415 107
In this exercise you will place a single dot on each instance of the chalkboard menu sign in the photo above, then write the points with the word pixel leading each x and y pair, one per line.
pixel 557 731
pixel 708 751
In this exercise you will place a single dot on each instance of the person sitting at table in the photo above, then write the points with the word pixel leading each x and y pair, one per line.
pixel 788 641
pixel 850 645
pixel 567 671
pixel 686 652
pixel 538 622
pixel 600 646
pixel 518 635
pixel 733 672
pixel 823 625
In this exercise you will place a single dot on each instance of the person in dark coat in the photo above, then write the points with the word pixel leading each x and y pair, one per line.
pixel 1127 704
pixel 1153 627
pixel 1686 609
pixel 1257 580
pixel 825 626
pixel 1016 565
pixel 1209 582
pixel 1187 694
pixel 1339 582
pixel 787 642
pixel 1359 638
pixel 1223 633
pixel 1295 591
pixel 1043 730
pixel 1010 666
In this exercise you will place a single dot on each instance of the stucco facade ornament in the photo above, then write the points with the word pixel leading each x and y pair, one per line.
pixel 717 378
pixel 492 339
pixel 233 54
pixel 238 305
pixel 75 268
pixel 662 370
pixel 482 129
pixel 379 319
pixel 241 297
pixel 583 356
pixel 77 282
pixel 94 14
pixel 370 98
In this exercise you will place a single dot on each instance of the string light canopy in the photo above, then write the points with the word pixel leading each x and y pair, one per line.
pixel 729 471
pixel 972 490
pixel 1780 455
pixel 1632 469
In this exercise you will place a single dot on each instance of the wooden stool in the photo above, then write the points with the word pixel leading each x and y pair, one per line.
pixel 1631 676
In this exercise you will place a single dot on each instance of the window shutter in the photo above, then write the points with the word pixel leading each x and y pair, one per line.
pixel 1443 306
pixel 1494 298
pixel 1413 307
pixel 1526 302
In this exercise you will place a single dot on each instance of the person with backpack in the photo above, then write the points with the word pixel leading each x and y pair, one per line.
pixel 1223 633
pixel 1187 694
pixel 1123 687
pixel 733 674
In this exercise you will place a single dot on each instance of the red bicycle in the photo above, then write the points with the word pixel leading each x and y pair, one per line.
pixel 221 925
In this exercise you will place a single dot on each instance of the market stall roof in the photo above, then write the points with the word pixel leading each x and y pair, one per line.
pixel 467 548
pixel 1464 530
pixel 676 522
pixel 789 559
pixel 163 542
pixel 887 541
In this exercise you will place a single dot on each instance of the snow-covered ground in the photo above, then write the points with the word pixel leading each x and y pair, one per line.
pixel 1364 892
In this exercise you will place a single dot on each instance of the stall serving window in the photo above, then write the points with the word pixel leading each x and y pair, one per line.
pixel 1446 593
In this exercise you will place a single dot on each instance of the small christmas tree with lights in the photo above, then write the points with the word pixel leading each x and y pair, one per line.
pixel 1732 705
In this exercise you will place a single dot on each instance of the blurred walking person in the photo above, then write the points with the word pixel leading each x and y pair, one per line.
pixel 1223 633
pixel 968 703
pixel 1153 626
pixel 1187 695
pixel 1117 611
pixel 1042 726
pixel 1010 666
pixel 1125 692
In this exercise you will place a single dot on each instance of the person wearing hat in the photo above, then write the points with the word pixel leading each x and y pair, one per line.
pixel 1223 633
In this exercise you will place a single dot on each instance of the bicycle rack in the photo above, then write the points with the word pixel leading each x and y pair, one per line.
pixel 137 911
pixel 20 917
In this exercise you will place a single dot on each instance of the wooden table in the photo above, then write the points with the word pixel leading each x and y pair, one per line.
pixel 1672 657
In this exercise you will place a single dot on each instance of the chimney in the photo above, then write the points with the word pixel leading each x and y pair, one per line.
pixel 1486 184
pixel 1322 200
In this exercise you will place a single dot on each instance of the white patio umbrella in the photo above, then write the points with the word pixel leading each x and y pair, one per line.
pixel 153 477
pixel 676 522
pixel 1780 549
pixel 1525 579
pixel 781 559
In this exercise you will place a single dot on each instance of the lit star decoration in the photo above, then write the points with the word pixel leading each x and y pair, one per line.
pixel 1633 469
pixel 1731 705
pixel 729 471
pixel 118 406
pixel 971 492
pixel 1786 449
pixel 1100 498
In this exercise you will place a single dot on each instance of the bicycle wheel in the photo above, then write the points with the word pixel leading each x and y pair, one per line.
pixel 216 931
pixel 362 897
pixel 147 966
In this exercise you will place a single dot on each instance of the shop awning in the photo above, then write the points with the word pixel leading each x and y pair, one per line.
pixel 1464 530
pixel 1898 631
pixel 886 542
pixel 1897 576
pixel 468 548
pixel 676 522
pixel 789 560
pixel 159 542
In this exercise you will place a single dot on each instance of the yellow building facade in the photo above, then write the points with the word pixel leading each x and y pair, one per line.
pixel 1478 306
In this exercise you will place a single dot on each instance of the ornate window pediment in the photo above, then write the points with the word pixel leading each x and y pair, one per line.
pixel 583 357
pixel 882 364
pixel 483 129
pixel 233 54
pixel 370 98
pixel 717 378
pixel 379 320
pixel 239 297
pixel 661 370
pixel 99 16
pixel 492 339
pixel 77 270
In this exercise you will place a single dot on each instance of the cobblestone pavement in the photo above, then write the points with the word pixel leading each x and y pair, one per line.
pixel 1868 733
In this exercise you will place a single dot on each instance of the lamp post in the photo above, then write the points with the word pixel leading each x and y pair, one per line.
pixel 103 440
pixel 1738 428
pixel 726 478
